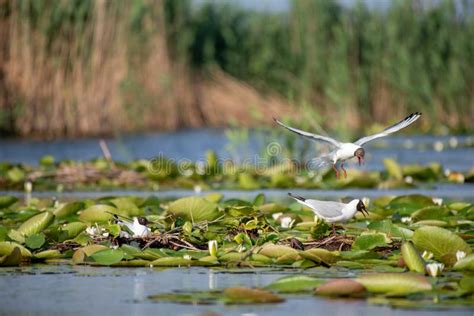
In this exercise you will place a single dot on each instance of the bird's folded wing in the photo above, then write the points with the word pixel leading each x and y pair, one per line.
pixel 310 135
pixel 392 129
pixel 326 208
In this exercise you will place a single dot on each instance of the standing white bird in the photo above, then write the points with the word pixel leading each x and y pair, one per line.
pixel 333 212
pixel 345 151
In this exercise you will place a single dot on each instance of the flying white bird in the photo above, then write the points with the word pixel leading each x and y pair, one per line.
pixel 137 227
pixel 345 151
pixel 333 212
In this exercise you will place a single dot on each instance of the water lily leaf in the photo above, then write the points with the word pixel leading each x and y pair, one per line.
pixel 441 242
pixel 3 233
pixel 242 295
pixel 289 258
pixel 6 247
pixel 36 224
pixel 127 206
pixel 35 241
pixel 465 264
pixel 7 200
pixel 48 254
pixel 367 241
pixel 386 226
pixel 407 204
pixel 294 284
pixel 214 197
pixel 82 254
pixel 271 208
pixel 98 213
pixel 259 200
pixel 195 209
pixel 191 297
pixel 16 175
pixel 73 229
pixel 320 255
pixel 393 169
pixel 15 235
pixel 424 173
pixel 358 254
pixel 274 251
pixel 341 287
pixel 412 258
pixel 467 283
pixel 68 209
pixel 231 257
pixel 395 283
pixel 107 256
pixel 430 212
pixel 177 262
pixel 12 259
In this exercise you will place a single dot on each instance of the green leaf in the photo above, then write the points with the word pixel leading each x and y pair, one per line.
pixel 247 182
pixel 259 199
pixel 412 258
pixel 12 259
pixel 441 242
pixel 108 256
pixel 467 283
pixel 6 247
pixel 395 283
pixel 320 255
pixel 7 200
pixel 73 229
pixel 465 264
pixel 98 213
pixel 294 284
pixel 47 161
pixel 35 241
pixel 195 209
pixel 341 287
pixel 367 241
pixel 36 224
pixel 68 209
pixel 16 175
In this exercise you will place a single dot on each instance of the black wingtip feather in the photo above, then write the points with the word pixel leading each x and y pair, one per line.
pixel 297 197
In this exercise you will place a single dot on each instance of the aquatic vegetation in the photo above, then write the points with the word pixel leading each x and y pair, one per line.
pixel 214 173
pixel 382 256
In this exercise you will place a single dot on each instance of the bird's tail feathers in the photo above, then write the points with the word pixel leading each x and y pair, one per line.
pixel 320 162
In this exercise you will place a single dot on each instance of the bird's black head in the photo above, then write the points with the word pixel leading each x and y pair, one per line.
pixel 360 154
pixel 142 221
pixel 361 208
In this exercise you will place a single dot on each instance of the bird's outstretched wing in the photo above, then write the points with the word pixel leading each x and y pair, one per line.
pixel 310 136
pixel 327 209
pixel 392 129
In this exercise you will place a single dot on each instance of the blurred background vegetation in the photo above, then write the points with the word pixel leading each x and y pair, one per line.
pixel 73 68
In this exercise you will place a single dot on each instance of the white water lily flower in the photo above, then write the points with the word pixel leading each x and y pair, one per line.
pixel 460 255
pixel 276 215
pixel 434 269
pixel 408 179
pixel 197 189
pixel 212 244
pixel 106 234
pixel 92 230
pixel 187 257
pixel 437 201
pixel 287 222
pixel 406 220
pixel 427 255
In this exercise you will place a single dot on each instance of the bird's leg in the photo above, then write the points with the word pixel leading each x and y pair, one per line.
pixel 335 169
pixel 345 172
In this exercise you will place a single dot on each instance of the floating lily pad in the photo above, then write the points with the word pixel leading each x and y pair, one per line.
pixel 294 284
pixel 367 241
pixel 107 256
pixel 36 224
pixel 340 287
pixel 6 247
pixel 465 264
pixel 7 200
pixel 242 295
pixel 395 283
pixel 98 213
pixel 412 258
pixel 12 259
pixel 194 209
pixel 35 241
pixel 441 242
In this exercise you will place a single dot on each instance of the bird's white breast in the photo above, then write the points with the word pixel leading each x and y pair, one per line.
pixel 346 151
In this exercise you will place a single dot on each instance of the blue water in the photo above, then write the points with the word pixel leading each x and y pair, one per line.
pixel 453 152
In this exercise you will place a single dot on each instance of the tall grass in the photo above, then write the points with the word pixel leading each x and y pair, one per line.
pixel 88 67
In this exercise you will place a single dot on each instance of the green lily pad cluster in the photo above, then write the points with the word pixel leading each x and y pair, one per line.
pixel 163 173
pixel 408 246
